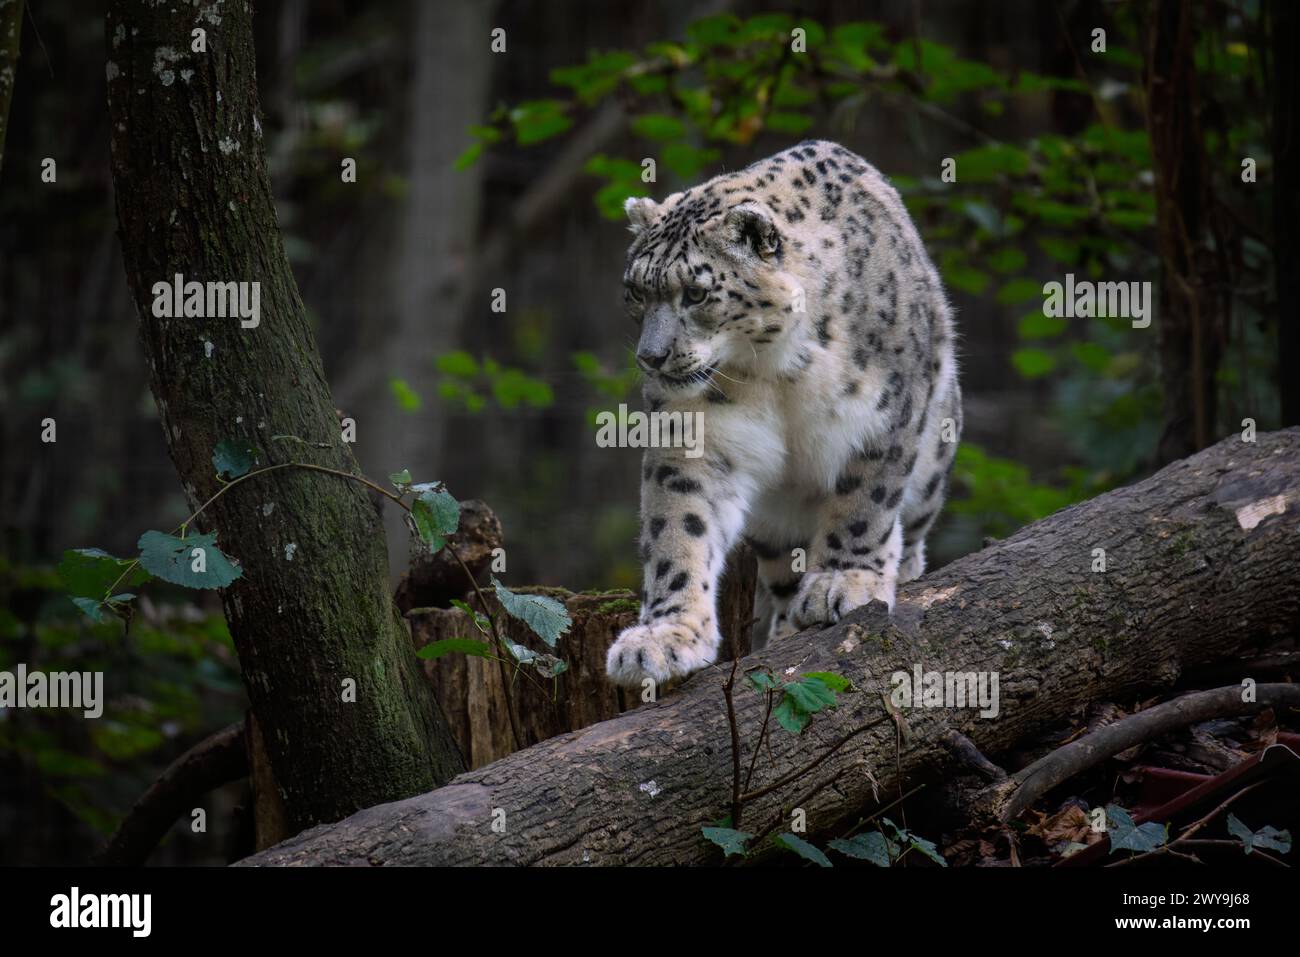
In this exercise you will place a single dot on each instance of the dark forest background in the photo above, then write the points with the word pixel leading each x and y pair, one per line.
pixel 479 170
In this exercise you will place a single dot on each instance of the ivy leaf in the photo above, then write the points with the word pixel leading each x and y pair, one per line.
pixel 1267 837
pixel 90 572
pixel 547 618
pixel 762 681
pixel 730 840
pixel 174 560
pixel 1125 835
pixel 436 514
pixel 233 458
pixel 803 849
pixel 873 847
pixel 447 646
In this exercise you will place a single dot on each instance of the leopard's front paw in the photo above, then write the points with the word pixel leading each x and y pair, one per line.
pixel 825 597
pixel 660 650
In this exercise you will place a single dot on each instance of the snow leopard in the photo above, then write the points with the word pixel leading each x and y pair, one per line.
pixel 792 307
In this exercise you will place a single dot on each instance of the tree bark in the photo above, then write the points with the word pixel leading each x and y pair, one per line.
pixel 1201 561
pixel 1285 22
pixel 11 33
pixel 1190 321
pixel 470 688
pixel 313 606
pixel 471 691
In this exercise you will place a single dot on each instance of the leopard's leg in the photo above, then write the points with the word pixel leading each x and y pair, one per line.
pixel 855 555
pixel 928 486
pixel 692 512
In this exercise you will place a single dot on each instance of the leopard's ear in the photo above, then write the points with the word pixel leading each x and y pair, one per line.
pixel 641 212
pixel 751 227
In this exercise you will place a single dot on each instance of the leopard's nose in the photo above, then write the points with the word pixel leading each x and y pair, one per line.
pixel 651 360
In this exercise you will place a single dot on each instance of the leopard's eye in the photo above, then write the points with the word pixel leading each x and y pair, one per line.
pixel 634 293
pixel 694 295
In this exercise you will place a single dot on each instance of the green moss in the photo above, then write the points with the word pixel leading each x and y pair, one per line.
pixel 619 605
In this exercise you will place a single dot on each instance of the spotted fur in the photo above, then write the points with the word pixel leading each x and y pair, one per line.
pixel 794 306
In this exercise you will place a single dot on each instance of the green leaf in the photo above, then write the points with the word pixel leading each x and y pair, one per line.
pixel 521 653
pixel 447 646
pixel 780 121
pixel 233 458
pixel 547 618
pixel 811 694
pixel 836 683
pixel 1007 260
pixel 803 849
pixel 173 560
pixel 512 386
pixel 401 480
pixel 407 398
pixel 928 848
pixel 436 514
pixel 1033 363
pixel 480 620
pixel 1020 290
pixel 90 572
pixel 1035 325
pixel 1268 837
pixel 1062 250
pixel 686 160
pixel 658 126
pixel 459 363
pixel 468 157
pixel 873 847
pixel 538 120
pixel 790 716
pixel 1125 835
pixel 730 840
pixel 762 681
pixel 94 610
pixel 985 163
pixel 1090 355
pixel 718 30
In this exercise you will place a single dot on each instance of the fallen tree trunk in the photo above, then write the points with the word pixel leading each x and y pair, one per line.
pixel 1201 562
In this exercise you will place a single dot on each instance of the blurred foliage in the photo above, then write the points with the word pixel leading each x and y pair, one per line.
pixel 170 677
pixel 468 382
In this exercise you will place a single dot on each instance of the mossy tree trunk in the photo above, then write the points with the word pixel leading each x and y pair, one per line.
pixel 312 610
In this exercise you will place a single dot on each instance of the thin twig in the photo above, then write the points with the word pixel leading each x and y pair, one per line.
pixel 762 733
pixel 795 775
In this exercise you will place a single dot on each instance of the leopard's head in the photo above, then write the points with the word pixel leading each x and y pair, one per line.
pixel 706 285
